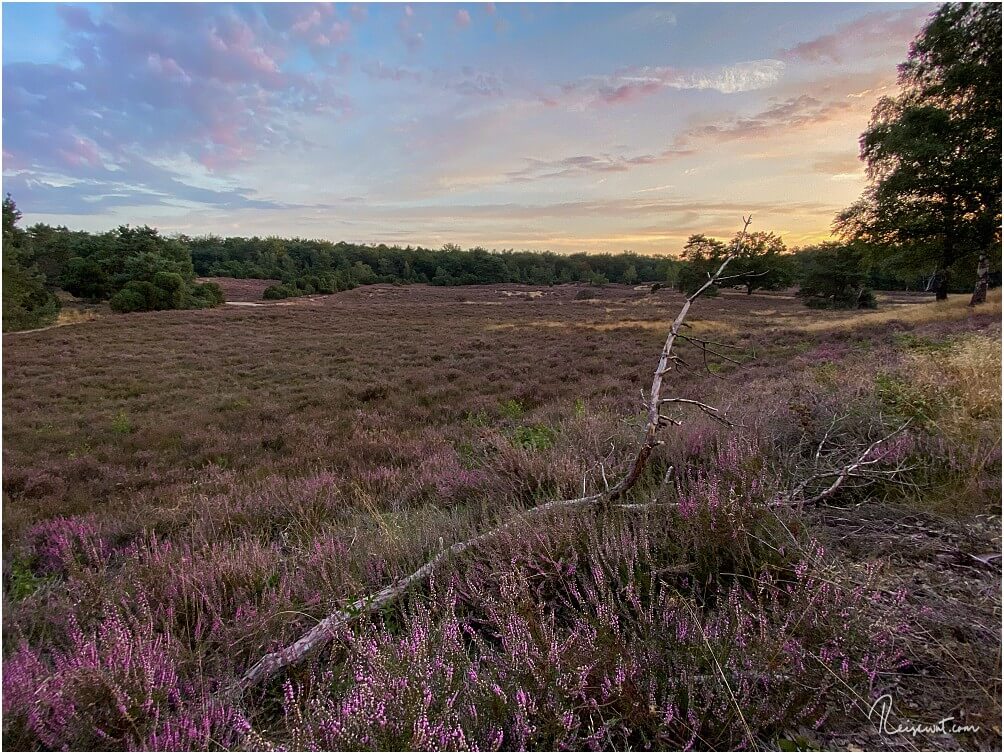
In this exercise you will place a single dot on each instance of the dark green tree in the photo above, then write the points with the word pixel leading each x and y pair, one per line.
pixel 934 151
pixel 762 262
pixel 834 276
pixel 702 256
pixel 27 303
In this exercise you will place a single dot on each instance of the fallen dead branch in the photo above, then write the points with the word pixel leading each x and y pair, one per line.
pixel 324 631
pixel 862 466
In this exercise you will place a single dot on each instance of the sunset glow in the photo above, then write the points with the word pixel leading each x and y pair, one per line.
pixel 598 127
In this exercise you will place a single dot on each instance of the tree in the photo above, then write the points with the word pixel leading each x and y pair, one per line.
pixel 933 151
pixel 27 303
pixel 702 256
pixel 763 262
pixel 834 276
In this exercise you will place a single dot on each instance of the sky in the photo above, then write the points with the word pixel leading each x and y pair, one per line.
pixel 569 127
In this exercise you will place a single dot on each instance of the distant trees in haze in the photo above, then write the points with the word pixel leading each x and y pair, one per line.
pixel 324 266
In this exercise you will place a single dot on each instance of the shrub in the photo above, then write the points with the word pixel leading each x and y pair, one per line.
pixel 512 409
pixel 536 437
pixel 170 290
pixel 834 276
pixel 274 292
pixel 204 295
pixel 128 300
pixel 112 688
pixel 617 659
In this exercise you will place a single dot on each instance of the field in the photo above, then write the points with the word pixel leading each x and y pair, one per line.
pixel 185 491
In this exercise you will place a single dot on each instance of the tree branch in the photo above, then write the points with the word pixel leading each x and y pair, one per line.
pixel 841 475
pixel 272 663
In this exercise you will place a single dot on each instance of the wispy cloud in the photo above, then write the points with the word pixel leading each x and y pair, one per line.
pixel 630 84
pixel 380 70
pixel 876 34
pixel 780 118
pixel 567 167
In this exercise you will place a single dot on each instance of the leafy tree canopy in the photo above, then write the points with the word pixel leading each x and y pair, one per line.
pixel 834 275
pixel 27 303
pixel 933 151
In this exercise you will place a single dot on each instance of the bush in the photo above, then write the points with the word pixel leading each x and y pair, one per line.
pixel 835 276
pixel 170 290
pixel 274 292
pixel 128 300
pixel 204 295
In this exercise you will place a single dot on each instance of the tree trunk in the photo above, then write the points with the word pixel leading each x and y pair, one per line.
pixel 941 285
pixel 982 273
pixel 947 256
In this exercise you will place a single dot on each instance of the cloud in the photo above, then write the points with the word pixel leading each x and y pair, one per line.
pixel 379 70
pixel 462 19
pixel 94 189
pixel 206 82
pixel 535 169
pixel 474 83
pixel 883 33
pixel 794 113
pixel 839 163
pixel 637 82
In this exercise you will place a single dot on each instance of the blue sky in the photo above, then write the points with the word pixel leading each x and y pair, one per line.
pixel 594 127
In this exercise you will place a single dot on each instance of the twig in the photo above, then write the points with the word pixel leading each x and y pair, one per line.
pixel 840 475
pixel 325 629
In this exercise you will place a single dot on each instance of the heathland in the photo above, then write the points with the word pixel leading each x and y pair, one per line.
pixel 186 491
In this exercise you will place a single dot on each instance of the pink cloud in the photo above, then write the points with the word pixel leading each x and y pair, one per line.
pixel 168 68
pixel 463 19
pixel 873 35
pixel 80 152
pixel 212 73
pixel 628 92
pixel 307 21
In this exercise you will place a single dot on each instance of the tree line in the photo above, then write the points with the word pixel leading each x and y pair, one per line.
pixel 317 266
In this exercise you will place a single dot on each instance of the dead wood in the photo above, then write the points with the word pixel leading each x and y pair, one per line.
pixel 862 467
pixel 324 631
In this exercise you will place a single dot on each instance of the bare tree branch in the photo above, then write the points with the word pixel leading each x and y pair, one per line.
pixel 325 630
pixel 841 475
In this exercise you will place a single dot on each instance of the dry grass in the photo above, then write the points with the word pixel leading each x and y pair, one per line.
pixel 954 309
pixel 969 372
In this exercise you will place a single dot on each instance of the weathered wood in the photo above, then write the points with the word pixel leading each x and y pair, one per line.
pixel 324 631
